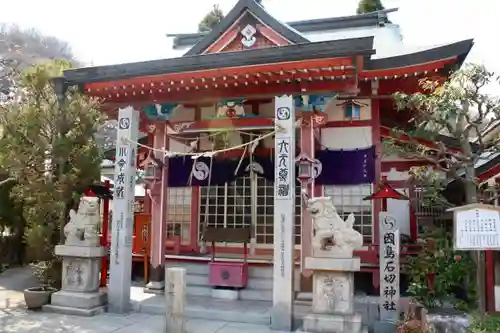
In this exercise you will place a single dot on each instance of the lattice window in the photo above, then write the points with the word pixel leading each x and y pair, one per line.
pixel 349 199
pixel 231 206
pixel 227 206
pixel 179 213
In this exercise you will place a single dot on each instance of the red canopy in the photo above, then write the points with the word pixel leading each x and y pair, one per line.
pixel 90 193
pixel 386 191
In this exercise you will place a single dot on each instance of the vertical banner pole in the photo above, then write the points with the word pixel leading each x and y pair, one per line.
pixel 123 211
pixel 284 214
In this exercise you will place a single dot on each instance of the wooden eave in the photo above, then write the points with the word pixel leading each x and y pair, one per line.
pixel 417 64
pixel 217 62
pixel 176 79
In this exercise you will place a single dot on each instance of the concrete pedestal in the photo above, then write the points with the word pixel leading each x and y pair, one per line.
pixel 175 299
pixel 155 287
pixel 80 294
pixel 333 296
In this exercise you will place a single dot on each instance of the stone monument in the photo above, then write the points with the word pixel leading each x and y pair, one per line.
pixel 333 267
pixel 81 260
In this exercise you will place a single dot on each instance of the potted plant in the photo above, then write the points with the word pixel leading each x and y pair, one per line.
pixel 38 296
pixel 440 282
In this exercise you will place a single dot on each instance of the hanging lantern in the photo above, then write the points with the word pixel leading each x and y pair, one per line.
pixel 152 168
pixel 305 164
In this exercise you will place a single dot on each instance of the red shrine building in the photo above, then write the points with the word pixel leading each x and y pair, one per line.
pixel 217 93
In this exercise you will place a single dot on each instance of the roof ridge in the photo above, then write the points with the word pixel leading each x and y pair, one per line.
pixel 308 21
pixel 234 14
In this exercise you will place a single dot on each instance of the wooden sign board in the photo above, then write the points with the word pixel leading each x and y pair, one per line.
pixel 476 227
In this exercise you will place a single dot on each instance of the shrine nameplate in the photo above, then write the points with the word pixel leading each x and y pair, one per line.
pixel 477 227
pixel 389 268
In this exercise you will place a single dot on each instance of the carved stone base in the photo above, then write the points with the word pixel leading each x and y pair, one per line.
pixel 333 292
pixel 324 323
pixel 81 267
pixel 80 292
pixel 333 284
pixel 333 296
pixel 76 303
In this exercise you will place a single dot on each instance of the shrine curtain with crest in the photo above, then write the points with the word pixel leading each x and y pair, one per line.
pixel 331 167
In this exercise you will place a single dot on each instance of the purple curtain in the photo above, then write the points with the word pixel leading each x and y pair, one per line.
pixel 181 167
pixel 346 167
pixel 335 167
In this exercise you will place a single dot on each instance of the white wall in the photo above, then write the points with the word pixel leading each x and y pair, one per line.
pixel 346 137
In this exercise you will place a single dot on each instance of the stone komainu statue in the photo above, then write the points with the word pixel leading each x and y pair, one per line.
pixel 329 226
pixel 82 228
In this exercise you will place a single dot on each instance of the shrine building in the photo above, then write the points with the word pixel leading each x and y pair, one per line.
pixel 217 94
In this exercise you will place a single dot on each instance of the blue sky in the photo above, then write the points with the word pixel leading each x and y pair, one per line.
pixel 115 31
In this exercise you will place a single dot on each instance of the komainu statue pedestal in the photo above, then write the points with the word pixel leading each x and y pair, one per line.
pixel 80 294
pixel 81 262
pixel 333 296
pixel 333 266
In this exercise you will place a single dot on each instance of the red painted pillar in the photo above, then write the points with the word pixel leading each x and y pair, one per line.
pixel 157 234
pixel 307 148
pixel 104 237
pixel 490 280
pixel 377 204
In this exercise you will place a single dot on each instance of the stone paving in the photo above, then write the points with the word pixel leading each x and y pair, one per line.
pixel 14 318
pixel 22 321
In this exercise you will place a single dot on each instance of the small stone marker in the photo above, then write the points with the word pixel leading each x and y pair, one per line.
pixel 175 297
pixel 389 268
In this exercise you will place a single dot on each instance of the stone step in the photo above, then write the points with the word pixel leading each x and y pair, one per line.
pixel 191 268
pixel 256 295
pixel 253 283
pixel 260 272
pixel 245 294
pixel 229 311
pixel 199 291
pixel 197 279
pixel 202 269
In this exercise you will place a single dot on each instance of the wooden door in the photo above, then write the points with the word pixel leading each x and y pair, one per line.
pixel 141 240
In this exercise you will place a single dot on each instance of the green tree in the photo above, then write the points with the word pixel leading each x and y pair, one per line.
pixel 211 19
pixel 19 48
pixel 458 108
pixel 368 6
pixel 49 152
